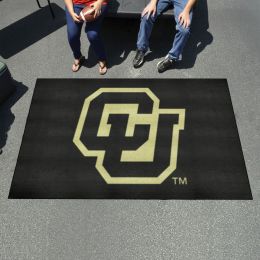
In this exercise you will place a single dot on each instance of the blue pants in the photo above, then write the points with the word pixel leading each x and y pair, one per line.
pixel 92 30
pixel 182 33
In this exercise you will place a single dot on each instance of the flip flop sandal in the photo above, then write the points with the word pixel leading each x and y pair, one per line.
pixel 101 72
pixel 79 64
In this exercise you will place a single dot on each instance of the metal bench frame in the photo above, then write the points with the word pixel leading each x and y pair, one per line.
pixel 51 10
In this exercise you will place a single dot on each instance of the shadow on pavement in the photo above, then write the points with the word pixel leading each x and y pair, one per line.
pixel 119 35
pixel 6 115
pixel 30 29
pixel 120 38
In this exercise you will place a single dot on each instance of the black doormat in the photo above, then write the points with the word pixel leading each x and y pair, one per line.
pixel 131 139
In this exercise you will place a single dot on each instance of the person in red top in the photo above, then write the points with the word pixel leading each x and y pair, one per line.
pixel 92 29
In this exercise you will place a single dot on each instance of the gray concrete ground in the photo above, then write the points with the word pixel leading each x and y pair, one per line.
pixel 72 229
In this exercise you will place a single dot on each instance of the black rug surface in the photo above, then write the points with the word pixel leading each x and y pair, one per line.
pixel 131 139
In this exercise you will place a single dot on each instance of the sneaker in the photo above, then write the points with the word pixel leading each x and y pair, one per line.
pixel 138 59
pixel 165 64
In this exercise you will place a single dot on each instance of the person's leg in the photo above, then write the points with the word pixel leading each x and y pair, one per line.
pixel 182 33
pixel 146 25
pixel 92 30
pixel 180 38
pixel 145 31
pixel 74 30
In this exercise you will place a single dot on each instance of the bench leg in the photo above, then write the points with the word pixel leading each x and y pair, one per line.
pixel 52 13
pixel 38 3
pixel 51 10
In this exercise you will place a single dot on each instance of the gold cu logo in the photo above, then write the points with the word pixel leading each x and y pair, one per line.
pixel 146 151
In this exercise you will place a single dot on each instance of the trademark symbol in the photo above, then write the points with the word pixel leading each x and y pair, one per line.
pixel 180 180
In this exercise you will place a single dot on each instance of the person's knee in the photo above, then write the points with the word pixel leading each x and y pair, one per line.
pixel 73 36
pixel 92 36
pixel 147 20
pixel 183 30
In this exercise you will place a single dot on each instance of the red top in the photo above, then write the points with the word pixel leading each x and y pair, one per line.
pixel 85 2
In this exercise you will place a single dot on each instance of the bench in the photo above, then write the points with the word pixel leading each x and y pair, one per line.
pixel 130 8
pixel 49 3
pixel 121 8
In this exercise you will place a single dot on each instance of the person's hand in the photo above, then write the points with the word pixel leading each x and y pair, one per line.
pixel 97 8
pixel 184 18
pixel 149 9
pixel 75 17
